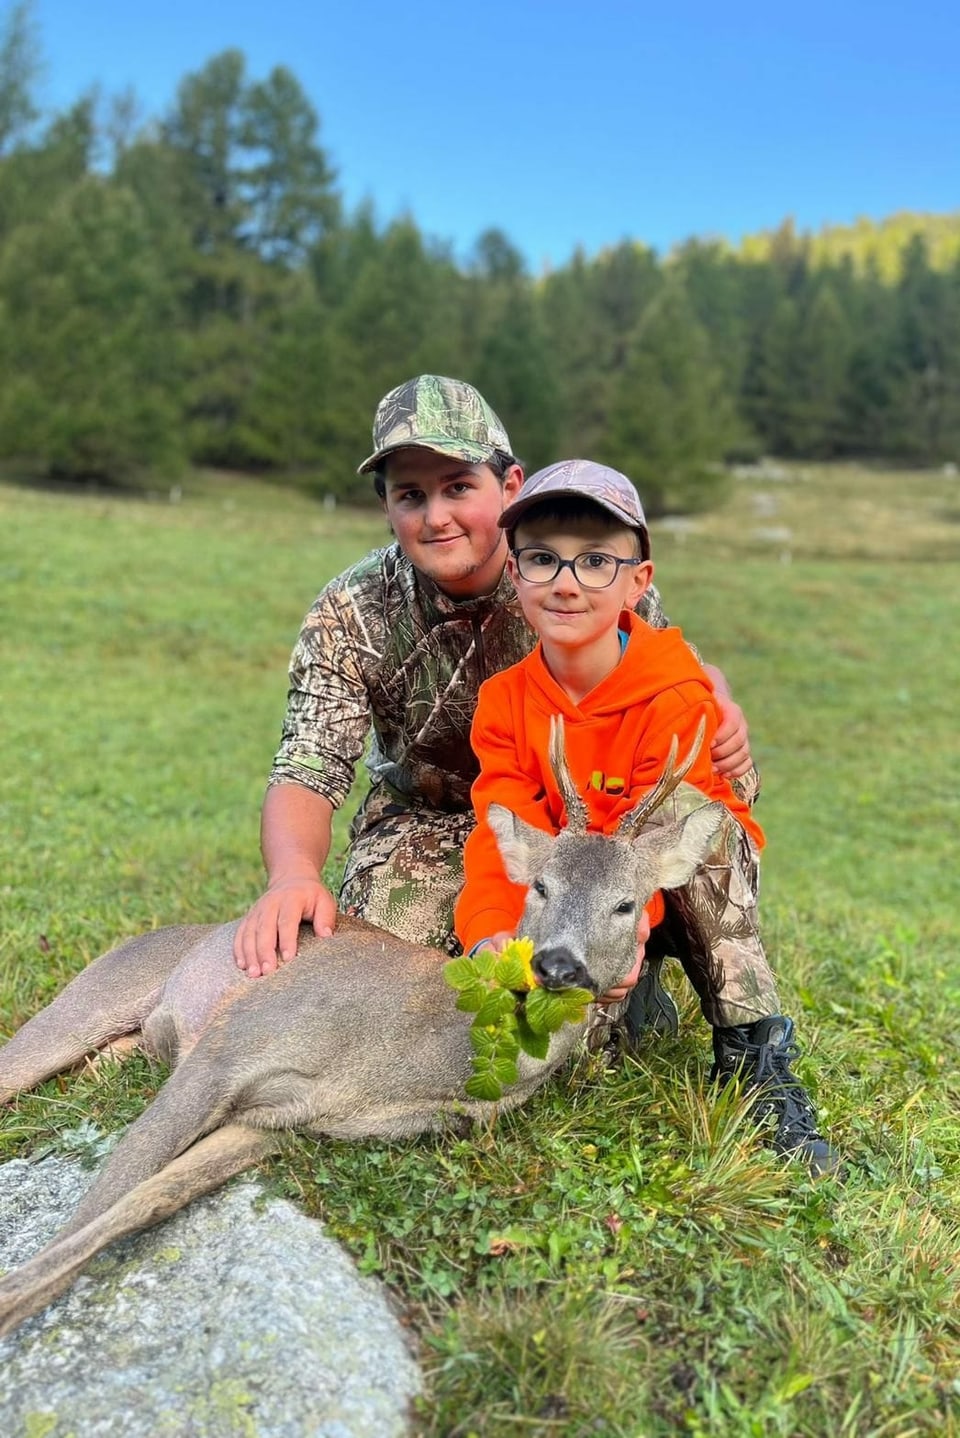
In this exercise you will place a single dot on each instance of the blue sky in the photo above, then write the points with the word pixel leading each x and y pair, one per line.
pixel 575 123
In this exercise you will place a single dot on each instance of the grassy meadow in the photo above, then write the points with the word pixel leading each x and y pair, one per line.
pixel 621 1257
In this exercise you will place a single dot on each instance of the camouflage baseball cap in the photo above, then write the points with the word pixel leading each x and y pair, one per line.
pixel 433 412
pixel 607 487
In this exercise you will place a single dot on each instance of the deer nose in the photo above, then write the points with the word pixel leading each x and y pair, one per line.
pixel 558 969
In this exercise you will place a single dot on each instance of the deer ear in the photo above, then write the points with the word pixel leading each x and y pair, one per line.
pixel 523 848
pixel 679 849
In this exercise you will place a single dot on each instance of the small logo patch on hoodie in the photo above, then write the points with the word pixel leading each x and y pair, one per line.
pixel 606 784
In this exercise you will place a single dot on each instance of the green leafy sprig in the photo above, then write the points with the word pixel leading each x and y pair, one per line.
pixel 513 1014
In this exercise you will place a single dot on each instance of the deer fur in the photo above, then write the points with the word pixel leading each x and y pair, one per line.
pixel 357 1037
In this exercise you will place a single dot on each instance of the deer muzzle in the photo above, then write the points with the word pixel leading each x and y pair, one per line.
pixel 557 968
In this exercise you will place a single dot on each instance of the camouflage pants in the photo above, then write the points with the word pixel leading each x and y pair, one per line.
pixel 711 925
pixel 405 870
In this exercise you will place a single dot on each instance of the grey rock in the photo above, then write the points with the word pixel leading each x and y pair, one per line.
pixel 226 1320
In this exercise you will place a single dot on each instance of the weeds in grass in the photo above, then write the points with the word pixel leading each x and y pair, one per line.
pixel 561 1362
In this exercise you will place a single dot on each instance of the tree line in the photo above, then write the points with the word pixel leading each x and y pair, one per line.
pixel 190 290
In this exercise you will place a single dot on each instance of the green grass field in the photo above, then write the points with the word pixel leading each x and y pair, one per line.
pixel 621 1257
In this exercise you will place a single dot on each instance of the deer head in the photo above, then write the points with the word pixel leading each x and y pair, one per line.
pixel 585 891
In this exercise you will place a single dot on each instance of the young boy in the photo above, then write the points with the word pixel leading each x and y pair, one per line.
pixel 580 562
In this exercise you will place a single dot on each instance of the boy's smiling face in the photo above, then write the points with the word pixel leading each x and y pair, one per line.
pixel 567 615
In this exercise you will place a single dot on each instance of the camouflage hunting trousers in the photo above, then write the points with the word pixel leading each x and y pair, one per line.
pixel 405 869
pixel 711 925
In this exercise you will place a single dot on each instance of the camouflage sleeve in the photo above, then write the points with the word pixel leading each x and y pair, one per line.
pixel 328 706
pixel 650 608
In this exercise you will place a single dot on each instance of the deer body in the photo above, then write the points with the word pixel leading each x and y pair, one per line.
pixel 357 1037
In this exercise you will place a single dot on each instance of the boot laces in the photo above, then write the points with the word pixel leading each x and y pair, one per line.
pixel 766 1067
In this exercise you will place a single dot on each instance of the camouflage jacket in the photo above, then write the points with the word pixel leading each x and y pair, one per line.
pixel 384 649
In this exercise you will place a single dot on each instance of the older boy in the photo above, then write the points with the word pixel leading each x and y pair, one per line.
pixel 580 561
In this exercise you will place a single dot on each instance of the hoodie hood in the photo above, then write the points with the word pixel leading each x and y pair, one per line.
pixel 654 660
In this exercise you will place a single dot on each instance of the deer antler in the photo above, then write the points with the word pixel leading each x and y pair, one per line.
pixel 672 776
pixel 574 805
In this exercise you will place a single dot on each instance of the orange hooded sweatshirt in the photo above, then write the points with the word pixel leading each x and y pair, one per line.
pixel 617 742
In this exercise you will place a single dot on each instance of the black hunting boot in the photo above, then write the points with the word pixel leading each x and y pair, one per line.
pixel 650 1009
pixel 760 1055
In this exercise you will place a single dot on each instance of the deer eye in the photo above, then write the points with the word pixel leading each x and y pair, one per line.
pixel 627 906
pixel 539 887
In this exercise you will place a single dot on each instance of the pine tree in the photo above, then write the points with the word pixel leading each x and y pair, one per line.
pixel 88 355
pixel 671 417
pixel 399 313
pixel 255 194
pixel 511 361
pixel 286 183
pixel 591 312
pixel 19 71
pixel 33 177
pixel 926 359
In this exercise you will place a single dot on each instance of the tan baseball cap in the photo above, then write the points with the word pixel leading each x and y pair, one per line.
pixel 607 487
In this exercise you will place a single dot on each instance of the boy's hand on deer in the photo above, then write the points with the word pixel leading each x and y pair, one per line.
pixel 614 995
pixel 268 933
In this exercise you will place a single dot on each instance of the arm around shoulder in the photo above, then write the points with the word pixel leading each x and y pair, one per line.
pixel 730 749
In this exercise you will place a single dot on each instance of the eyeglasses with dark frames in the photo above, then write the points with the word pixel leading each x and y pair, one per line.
pixel 593 569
